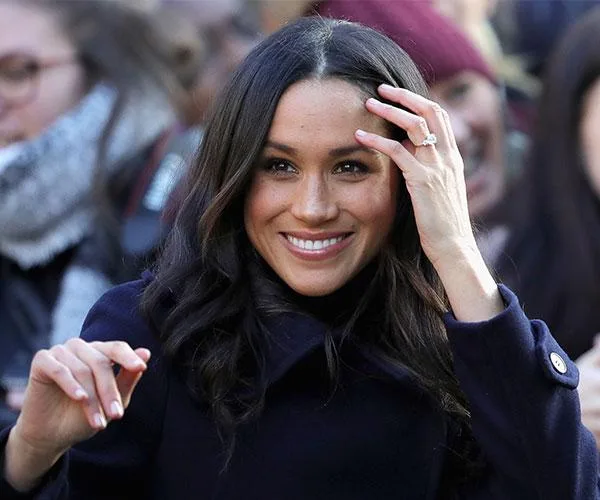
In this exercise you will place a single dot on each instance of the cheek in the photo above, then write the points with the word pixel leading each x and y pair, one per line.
pixel 376 202
pixel 55 97
pixel 265 200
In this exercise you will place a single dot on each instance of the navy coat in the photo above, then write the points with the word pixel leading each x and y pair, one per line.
pixel 378 437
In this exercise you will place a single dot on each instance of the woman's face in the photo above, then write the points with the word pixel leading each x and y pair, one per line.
pixel 589 127
pixel 40 77
pixel 321 205
pixel 474 106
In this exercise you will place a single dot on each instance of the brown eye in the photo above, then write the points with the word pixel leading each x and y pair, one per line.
pixel 279 166
pixel 351 168
pixel 18 69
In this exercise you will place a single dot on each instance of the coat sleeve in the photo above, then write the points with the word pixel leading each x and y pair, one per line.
pixel 521 387
pixel 114 463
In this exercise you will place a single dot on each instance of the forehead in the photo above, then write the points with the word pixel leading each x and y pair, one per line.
pixel 26 28
pixel 323 108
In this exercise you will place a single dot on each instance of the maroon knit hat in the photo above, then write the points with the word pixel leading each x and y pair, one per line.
pixel 436 45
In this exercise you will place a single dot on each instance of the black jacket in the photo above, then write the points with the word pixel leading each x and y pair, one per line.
pixel 378 437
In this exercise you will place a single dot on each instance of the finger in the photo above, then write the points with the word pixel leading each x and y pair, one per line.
pixel 103 375
pixel 416 126
pixel 396 151
pixel 437 118
pixel 128 380
pixel 122 354
pixel 92 406
pixel 52 370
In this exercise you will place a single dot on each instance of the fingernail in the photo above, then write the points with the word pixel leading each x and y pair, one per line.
pixel 99 421
pixel 385 86
pixel 80 394
pixel 116 409
pixel 374 102
pixel 361 133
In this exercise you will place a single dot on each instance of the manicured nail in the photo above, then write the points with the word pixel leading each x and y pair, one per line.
pixel 361 133
pixel 99 421
pixel 116 409
pixel 385 86
pixel 374 102
pixel 81 394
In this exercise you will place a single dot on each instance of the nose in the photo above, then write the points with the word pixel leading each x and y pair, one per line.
pixel 314 201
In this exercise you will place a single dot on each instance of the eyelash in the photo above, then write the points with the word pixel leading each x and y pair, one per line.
pixel 358 169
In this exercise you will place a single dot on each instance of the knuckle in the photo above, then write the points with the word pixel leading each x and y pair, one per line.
pixel 102 363
pixel 59 371
pixel 74 342
pixel 41 355
pixel 421 123
pixel 82 372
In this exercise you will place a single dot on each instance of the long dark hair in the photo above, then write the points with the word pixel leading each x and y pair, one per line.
pixel 210 276
pixel 552 257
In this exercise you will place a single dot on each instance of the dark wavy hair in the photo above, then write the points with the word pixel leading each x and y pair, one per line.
pixel 552 257
pixel 216 289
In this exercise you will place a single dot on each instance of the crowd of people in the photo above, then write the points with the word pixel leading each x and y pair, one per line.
pixel 299 249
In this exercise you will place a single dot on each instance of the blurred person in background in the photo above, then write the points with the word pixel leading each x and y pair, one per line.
pixel 86 118
pixel 552 224
pixel 229 29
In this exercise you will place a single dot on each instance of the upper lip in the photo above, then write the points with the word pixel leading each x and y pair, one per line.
pixel 304 235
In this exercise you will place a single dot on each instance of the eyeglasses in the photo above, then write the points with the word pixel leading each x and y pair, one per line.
pixel 19 75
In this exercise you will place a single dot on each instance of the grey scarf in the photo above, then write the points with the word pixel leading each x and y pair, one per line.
pixel 45 191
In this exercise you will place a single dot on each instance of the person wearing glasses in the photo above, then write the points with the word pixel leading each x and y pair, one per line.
pixel 84 112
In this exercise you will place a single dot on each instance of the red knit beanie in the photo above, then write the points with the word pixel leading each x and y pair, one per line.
pixel 436 45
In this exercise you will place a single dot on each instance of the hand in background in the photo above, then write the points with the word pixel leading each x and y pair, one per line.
pixel 589 389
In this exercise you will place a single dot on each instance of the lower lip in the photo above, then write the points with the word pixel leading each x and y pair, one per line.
pixel 316 255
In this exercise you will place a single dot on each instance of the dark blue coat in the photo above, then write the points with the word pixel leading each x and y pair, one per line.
pixel 378 437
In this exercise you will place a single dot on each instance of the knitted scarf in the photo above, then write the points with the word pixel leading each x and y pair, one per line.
pixel 45 191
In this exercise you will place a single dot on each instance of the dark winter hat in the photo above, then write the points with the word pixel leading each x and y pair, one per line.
pixel 436 45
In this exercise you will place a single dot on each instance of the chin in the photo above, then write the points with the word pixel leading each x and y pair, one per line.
pixel 314 289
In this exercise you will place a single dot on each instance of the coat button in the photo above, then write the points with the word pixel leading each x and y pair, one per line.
pixel 558 363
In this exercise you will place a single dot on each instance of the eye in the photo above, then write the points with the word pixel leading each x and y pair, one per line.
pixel 279 166
pixel 353 168
pixel 458 92
pixel 16 70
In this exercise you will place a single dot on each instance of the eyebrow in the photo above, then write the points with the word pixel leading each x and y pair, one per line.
pixel 336 152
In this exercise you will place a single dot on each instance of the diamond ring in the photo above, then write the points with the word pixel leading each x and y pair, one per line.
pixel 429 140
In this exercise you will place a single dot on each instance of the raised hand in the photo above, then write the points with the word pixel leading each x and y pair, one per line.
pixel 434 174
pixel 72 394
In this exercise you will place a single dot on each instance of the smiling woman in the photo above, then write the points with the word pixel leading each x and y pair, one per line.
pixel 321 321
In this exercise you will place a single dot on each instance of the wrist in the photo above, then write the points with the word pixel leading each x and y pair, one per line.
pixel 472 291
pixel 24 464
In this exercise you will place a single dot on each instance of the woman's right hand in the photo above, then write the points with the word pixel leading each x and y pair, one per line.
pixel 71 395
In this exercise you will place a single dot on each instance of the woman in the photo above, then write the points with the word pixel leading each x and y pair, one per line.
pixel 551 254
pixel 84 121
pixel 299 317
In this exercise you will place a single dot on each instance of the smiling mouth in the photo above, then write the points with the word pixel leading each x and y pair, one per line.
pixel 315 245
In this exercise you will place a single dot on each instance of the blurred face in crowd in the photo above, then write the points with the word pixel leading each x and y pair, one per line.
pixel 475 110
pixel 40 77
pixel 321 205
pixel 229 36
pixel 590 124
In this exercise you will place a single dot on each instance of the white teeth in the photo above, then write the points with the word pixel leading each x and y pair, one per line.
pixel 313 244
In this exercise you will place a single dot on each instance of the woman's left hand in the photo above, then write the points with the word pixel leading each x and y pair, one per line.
pixel 434 174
